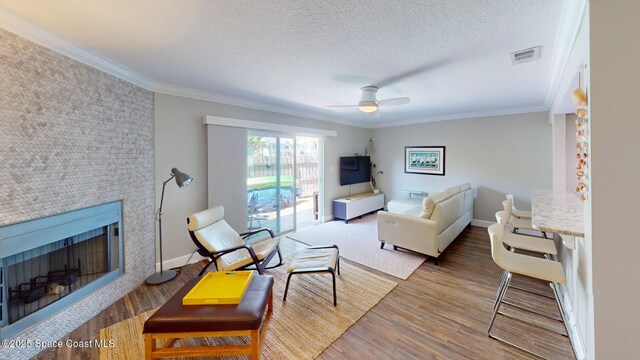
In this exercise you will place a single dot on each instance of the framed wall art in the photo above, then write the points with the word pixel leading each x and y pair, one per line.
pixel 426 160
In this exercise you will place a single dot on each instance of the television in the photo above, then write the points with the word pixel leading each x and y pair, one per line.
pixel 355 170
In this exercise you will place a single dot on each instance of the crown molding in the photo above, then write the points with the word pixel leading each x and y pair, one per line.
pixel 570 21
pixel 169 89
pixel 20 26
pixel 468 115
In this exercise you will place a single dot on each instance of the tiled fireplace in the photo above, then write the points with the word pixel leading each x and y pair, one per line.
pixel 50 263
pixel 72 137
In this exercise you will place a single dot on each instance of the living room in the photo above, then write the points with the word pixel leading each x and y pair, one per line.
pixel 80 129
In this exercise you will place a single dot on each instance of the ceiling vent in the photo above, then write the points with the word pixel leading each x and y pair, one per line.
pixel 525 55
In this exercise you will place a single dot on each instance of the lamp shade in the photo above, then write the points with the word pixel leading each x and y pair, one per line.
pixel 182 179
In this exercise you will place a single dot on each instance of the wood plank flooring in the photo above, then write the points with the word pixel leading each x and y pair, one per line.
pixel 439 312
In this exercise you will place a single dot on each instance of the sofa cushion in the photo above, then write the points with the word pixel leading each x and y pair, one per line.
pixel 448 211
pixel 452 190
pixel 465 186
pixel 407 206
pixel 430 202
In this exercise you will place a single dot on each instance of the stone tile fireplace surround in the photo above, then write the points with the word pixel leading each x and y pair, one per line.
pixel 72 137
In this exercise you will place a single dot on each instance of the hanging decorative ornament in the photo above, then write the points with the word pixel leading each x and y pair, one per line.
pixel 580 99
pixel 581 113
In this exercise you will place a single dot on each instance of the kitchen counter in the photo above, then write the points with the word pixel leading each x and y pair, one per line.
pixel 557 212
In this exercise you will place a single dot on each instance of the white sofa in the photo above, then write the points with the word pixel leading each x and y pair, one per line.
pixel 444 215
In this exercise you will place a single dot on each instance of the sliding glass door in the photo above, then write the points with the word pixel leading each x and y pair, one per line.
pixel 271 183
pixel 282 181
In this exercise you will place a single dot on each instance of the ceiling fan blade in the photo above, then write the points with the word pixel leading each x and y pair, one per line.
pixel 342 105
pixel 413 72
pixel 393 101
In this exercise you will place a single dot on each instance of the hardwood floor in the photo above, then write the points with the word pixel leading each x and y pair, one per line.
pixel 439 312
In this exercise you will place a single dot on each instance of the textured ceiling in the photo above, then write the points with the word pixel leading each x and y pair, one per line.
pixel 451 57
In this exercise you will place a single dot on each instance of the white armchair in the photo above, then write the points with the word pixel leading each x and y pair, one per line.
pixel 226 248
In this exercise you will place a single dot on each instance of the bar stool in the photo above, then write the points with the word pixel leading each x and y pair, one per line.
pixel 535 244
pixel 513 263
pixel 524 242
pixel 516 212
pixel 516 222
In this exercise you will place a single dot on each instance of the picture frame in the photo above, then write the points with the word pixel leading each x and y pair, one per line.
pixel 424 160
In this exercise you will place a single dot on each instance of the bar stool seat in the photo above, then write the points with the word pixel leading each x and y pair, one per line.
pixel 525 242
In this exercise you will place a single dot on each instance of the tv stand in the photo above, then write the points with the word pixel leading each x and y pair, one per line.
pixel 353 206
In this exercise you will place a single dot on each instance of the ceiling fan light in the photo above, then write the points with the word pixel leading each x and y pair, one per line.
pixel 368 108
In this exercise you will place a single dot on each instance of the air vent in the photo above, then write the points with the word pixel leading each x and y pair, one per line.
pixel 525 55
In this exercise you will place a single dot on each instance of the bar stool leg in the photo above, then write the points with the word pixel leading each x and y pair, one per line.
pixel 499 302
pixel 504 278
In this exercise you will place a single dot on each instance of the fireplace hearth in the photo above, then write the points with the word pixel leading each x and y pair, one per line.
pixel 47 264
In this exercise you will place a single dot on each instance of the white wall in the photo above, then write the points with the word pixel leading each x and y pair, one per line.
pixel 577 263
pixel 497 155
pixel 181 141
pixel 615 170
pixel 559 129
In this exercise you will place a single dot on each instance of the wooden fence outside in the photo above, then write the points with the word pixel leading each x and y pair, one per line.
pixel 306 170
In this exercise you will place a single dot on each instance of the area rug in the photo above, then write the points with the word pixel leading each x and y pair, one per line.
pixel 300 328
pixel 358 242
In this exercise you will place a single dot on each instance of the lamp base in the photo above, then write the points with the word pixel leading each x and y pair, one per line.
pixel 161 278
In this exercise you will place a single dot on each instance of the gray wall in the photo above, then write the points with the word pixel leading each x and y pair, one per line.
pixel 614 197
pixel 181 141
pixel 227 172
pixel 497 155
pixel 72 137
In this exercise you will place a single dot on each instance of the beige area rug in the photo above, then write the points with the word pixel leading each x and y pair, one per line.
pixel 358 242
pixel 300 328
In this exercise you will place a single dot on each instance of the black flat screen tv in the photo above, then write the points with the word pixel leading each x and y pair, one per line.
pixel 355 170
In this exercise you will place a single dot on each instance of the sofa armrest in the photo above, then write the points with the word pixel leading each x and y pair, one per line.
pixel 408 232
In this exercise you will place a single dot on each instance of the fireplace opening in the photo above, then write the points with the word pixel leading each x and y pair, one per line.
pixel 53 262
pixel 39 277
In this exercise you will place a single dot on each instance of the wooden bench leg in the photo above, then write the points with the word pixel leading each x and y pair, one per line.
pixel 149 346
pixel 255 345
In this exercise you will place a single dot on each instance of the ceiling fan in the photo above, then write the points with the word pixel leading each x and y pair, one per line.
pixel 369 104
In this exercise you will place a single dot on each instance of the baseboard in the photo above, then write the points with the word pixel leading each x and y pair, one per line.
pixel 576 340
pixel 179 261
pixel 482 223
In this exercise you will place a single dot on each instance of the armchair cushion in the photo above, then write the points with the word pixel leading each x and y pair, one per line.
pixel 241 257
pixel 205 218
pixel 218 236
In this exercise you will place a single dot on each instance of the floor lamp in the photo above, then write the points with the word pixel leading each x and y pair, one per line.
pixel 161 277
